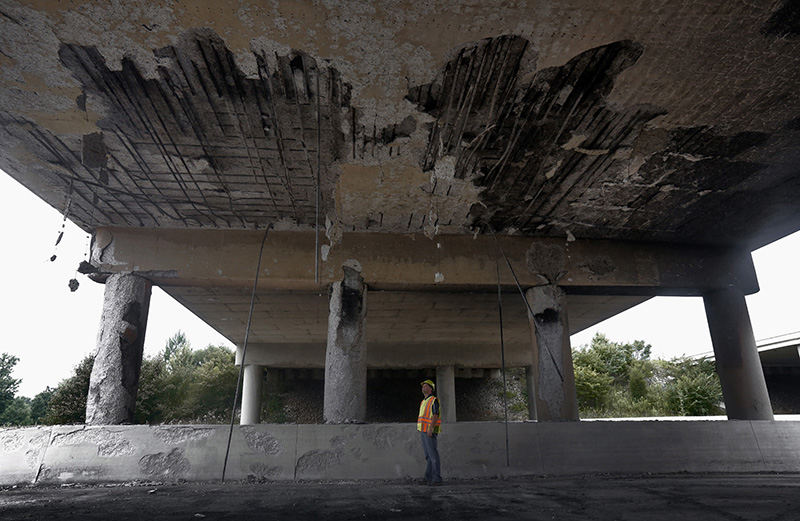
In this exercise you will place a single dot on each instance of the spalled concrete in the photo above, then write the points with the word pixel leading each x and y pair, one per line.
pixel 120 344
pixel 738 365
pixel 346 352
pixel 391 450
pixel 553 374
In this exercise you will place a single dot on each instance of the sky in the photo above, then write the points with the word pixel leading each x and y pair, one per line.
pixel 50 329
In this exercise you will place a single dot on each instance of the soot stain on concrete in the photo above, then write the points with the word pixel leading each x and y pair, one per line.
pixel 259 441
pixel 784 22
pixel 599 266
pixel 172 464
pixel 108 442
pixel 131 345
pixel 209 145
pixel 180 434
pixel 516 136
pixel 316 460
pixel 264 471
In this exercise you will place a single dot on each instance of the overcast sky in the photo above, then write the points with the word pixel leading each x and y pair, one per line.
pixel 51 329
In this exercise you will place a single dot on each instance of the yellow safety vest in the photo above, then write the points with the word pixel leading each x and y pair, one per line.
pixel 425 419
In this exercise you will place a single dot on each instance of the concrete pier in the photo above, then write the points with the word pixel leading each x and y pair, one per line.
pixel 446 392
pixel 530 382
pixel 251 394
pixel 738 365
pixel 553 375
pixel 120 344
pixel 346 352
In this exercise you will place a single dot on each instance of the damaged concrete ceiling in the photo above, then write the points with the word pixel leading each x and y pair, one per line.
pixel 664 121
pixel 658 121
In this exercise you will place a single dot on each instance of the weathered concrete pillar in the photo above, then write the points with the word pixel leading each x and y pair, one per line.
pixel 251 394
pixel 531 387
pixel 345 398
pixel 738 365
pixel 446 392
pixel 553 375
pixel 120 344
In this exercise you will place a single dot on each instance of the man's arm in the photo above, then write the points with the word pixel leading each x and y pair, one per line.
pixel 434 419
pixel 434 416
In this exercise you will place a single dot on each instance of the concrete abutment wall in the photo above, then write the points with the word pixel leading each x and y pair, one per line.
pixel 96 454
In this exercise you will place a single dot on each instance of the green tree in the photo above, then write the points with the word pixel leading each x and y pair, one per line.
pixel 691 387
pixel 150 406
pixel 176 385
pixel 213 385
pixel 174 343
pixel 616 379
pixel 592 388
pixel 8 385
pixel 639 374
pixel 68 403
pixel 17 413
pixel 40 404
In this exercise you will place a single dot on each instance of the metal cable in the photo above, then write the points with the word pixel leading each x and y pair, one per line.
pixel 316 192
pixel 525 299
pixel 502 356
pixel 244 351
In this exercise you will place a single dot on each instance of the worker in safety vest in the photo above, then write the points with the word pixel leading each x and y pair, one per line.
pixel 429 424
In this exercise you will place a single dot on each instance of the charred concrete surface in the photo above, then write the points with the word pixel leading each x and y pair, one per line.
pixel 120 345
pixel 603 120
pixel 346 352
pixel 551 371
pixel 202 128
pixel 658 497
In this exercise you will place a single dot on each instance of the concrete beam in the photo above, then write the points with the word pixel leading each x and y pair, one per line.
pixel 390 261
pixel 391 355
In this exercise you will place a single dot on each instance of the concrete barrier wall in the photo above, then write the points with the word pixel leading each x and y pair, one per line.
pixel 69 454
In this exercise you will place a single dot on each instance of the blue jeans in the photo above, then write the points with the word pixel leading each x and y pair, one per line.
pixel 432 470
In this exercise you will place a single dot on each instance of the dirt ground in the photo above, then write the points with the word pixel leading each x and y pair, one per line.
pixel 683 497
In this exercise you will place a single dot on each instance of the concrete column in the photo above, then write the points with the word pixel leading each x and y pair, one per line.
pixel 345 398
pixel 553 375
pixel 251 394
pixel 531 387
pixel 120 343
pixel 738 364
pixel 446 392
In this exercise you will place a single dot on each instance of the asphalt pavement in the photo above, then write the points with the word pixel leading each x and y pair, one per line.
pixel 682 497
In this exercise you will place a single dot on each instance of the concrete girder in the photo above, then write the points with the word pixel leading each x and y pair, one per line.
pixel 228 258
pixel 391 355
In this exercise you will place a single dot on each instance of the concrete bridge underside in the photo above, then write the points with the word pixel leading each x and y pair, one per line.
pixel 619 150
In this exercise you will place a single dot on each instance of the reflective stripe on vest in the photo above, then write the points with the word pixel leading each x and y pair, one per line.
pixel 425 419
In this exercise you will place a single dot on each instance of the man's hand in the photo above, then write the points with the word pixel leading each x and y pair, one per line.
pixel 434 419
